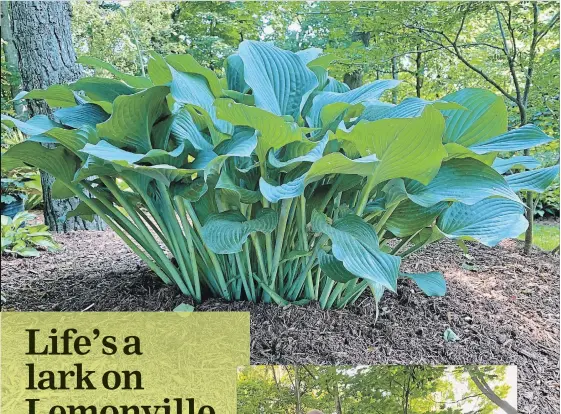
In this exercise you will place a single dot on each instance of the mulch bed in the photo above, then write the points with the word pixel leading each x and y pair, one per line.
pixel 503 305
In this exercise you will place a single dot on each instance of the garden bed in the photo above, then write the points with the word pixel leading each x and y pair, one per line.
pixel 503 305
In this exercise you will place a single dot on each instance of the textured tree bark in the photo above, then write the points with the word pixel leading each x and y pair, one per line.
pixel 353 79
pixel 11 55
pixel 395 72
pixel 43 40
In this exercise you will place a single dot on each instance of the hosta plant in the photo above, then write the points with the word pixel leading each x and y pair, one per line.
pixel 22 239
pixel 276 182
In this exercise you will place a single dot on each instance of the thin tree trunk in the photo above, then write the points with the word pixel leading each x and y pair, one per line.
pixel 338 404
pixel 419 77
pixel 297 392
pixel 484 387
pixel 42 37
pixel 394 76
pixel 11 55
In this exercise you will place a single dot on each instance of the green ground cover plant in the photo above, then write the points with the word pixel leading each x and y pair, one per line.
pixel 277 182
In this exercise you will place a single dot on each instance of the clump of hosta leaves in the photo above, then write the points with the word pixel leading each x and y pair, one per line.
pixel 274 181
pixel 23 239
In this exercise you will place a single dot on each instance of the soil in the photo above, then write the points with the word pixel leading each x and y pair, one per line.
pixel 504 307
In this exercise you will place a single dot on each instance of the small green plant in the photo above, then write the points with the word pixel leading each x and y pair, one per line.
pixel 277 182
pixel 23 240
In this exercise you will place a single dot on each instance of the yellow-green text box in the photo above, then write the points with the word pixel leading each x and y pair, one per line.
pixel 180 356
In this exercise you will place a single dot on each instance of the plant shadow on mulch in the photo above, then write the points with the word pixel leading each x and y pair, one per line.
pixel 503 305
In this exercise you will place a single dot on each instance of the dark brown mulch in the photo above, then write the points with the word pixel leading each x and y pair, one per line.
pixel 503 305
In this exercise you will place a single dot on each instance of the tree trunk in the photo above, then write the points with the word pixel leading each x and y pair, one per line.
pixel 479 381
pixel 353 79
pixel 529 236
pixel 11 55
pixel 297 392
pixel 394 76
pixel 42 37
pixel 338 404
pixel 419 76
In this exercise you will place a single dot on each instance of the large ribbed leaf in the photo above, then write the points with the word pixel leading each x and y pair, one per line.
pixel 334 163
pixel 58 161
pixel 502 165
pixel 58 96
pixel 309 55
pixel 489 221
pixel 314 154
pixel 274 131
pixel 188 64
pixel 333 268
pixel 354 242
pixel 133 117
pixel 365 93
pixel 226 232
pixel 534 180
pixel 408 147
pixel 279 79
pixel 525 137
pixel 102 89
pixel 73 139
pixel 409 217
pixel 431 283
pixel 408 108
pixel 485 117
pixel 82 115
pixel 235 74
pixel 184 128
pixel 462 179
pixel 244 195
pixel 35 126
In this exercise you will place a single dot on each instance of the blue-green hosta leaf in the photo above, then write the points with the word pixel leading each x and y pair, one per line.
pixel 485 117
pixel 431 283
pixel 334 163
pixel 242 144
pixel 457 151
pixel 59 191
pixel 313 155
pixel 134 81
pixel 58 161
pixel 133 117
pixel 365 93
pixel 88 114
pixel 309 55
pixel 187 64
pixel 489 221
pixel 242 194
pixel 74 139
pixel 333 85
pixel 463 179
pixel 502 165
pixel 534 180
pixel 525 137
pixel 226 232
pixel 191 191
pixel 409 217
pixel 279 79
pixel 59 96
pixel 333 268
pixel 158 70
pixel 354 242
pixel 235 74
pixel 408 108
pixel 102 89
pixel 407 147
pixel 84 211
pixel 35 126
pixel 184 128
pixel 274 131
